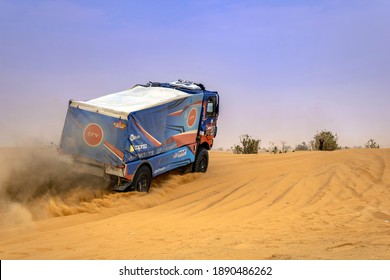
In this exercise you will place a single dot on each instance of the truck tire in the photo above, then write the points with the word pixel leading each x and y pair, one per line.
pixel 142 179
pixel 201 161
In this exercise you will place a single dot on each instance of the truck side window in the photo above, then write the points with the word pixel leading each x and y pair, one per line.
pixel 210 107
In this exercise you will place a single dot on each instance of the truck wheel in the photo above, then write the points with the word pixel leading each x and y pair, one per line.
pixel 142 179
pixel 202 160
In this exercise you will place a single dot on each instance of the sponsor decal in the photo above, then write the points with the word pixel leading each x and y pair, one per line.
pixel 191 118
pixel 141 154
pixel 93 134
pixel 131 157
pixel 159 170
pixel 134 137
pixel 180 153
pixel 146 154
pixel 140 147
pixel 120 125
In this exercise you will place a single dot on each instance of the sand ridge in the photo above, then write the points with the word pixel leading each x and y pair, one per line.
pixel 302 205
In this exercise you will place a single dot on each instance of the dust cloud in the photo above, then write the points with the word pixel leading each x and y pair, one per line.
pixel 36 184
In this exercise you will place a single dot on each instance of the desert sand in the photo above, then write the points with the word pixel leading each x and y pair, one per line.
pixel 298 205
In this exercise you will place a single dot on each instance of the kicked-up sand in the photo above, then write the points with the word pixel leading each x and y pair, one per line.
pixel 301 205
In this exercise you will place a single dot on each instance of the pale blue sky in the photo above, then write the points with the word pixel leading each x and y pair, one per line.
pixel 284 69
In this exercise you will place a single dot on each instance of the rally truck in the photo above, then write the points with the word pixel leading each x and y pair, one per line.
pixel 134 135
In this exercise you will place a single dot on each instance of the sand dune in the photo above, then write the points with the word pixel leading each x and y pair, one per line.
pixel 303 205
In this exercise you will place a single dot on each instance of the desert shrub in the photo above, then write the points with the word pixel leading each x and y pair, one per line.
pixel 273 148
pixel 285 147
pixel 371 144
pixel 325 141
pixel 237 149
pixel 248 145
pixel 302 147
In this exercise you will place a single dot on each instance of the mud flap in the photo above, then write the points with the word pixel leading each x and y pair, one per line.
pixel 123 186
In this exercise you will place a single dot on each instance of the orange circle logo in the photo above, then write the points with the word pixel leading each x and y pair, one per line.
pixel 93 134
pixel 191 118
